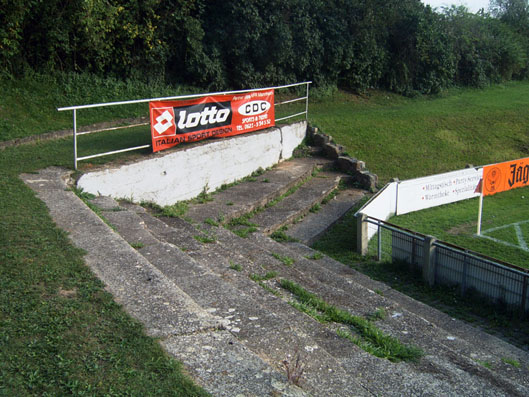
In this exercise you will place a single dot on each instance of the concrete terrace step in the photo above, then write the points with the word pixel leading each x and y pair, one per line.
pixel 255 192
pixel 293 321
pixel 430 337
pixel 466 376
pixel 218 361
pixel 189 284
pixel 298 204
pixel 442 337
pixel 239 301
pixel 314 225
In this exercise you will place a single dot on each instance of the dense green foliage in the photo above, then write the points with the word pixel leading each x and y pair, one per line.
pixel 400 45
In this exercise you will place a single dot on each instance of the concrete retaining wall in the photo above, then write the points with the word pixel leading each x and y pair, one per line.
pixel 165 178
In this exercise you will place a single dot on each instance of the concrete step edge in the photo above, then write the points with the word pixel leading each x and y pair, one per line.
pixel 244 306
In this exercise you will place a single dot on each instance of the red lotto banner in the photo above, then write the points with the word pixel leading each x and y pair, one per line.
pixel 174 122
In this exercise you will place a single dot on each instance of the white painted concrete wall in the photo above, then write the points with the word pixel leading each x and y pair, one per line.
pixel 292 135
pixel 165 178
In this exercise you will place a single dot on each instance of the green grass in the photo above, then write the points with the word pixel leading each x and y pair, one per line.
pixel 315 208
pixel 242 226
pixel 177 210
pixel 268 276
pixel 211 222
pixel 366 335
pixel 61 333
pixel 315 256
pixel 406 138
pixel 235 266
pixel 284 259
pixel 205 239
pixel 28 106
pixel 456 224
pixel 281 237
pixel 245 231
pixel 511 361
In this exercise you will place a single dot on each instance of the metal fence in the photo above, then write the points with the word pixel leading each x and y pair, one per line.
pixel 443 263
pixel 76 133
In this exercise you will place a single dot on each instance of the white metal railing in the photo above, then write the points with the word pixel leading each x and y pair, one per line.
pixel 136 101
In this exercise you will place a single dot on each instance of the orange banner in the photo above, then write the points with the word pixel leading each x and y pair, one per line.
pixel 505 176
pixel 219 116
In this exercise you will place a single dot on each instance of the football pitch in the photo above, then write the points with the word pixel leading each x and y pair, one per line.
pixel 504 230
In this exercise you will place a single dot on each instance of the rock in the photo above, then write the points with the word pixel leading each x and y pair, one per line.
pixel 350 165
pixel 333 150
pixel 367 180
pixel 320 139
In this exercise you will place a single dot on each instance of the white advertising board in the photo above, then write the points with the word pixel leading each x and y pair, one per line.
pixel 382 206
pixel 435 190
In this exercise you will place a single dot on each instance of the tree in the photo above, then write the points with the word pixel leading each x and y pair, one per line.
pixel 514 13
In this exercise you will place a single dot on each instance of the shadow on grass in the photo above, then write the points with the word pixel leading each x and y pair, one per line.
pixel 340 244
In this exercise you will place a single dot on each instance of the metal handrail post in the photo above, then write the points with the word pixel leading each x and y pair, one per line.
pixel 307 104
pixel 75 139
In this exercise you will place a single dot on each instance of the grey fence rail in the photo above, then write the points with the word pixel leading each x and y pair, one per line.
pixel 442 263
pixel 75 109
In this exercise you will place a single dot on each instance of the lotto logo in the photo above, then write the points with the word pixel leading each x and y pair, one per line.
pixel 203 116
pixel 164 121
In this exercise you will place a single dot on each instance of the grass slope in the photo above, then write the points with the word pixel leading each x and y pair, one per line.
pixel 60 332
pixel 28 106
pixel 407 138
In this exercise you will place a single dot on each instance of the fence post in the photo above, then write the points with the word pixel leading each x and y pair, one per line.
pixel 428 265
pixel 464 276
pixel 524 297
pixel 413 261
pixel 379 241
pixel 361 234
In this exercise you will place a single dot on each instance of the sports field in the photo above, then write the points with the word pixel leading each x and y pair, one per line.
pixel 504 230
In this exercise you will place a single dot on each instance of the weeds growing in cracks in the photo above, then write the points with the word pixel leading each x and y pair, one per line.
pixel 360 331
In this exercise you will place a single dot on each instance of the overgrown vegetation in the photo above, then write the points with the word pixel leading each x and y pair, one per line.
pixel 205 238
pixel 362 331
pixel 281 237
pixel 177 210
pixel 260 279
pixel 400 45
pixel 242 226
pixel 235 266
